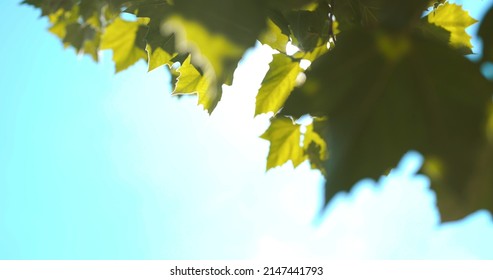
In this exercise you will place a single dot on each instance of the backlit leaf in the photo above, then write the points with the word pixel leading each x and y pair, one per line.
pixel 160 49
pixel 392 81
pixel 126 40
pixel 191 81
pixel 157 57
pixel 454 19
pixel 284 137
pixel 277 84
pixel 274 37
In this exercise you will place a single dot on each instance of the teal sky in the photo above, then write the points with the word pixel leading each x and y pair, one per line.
pixel 95 165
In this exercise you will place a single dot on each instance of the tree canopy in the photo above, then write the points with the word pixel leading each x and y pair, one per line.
pixel 384 77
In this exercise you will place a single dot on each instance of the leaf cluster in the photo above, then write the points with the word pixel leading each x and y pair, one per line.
pixel 386 76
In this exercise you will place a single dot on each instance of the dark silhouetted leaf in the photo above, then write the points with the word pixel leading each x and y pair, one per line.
pixel 382 102
pixel 486 34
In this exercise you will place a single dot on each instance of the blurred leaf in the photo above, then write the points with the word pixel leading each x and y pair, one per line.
pixel 216 33
pixel 51 6
pixel 155 10
pixel 310 29
pixel 290 4
pixel 437 33
pixel 126 40
pixel 381 106
pixel 240 21
pixel 284 137
pixel 91 8
pixel 454 19
pixel 213 53
pixel 274 37
pixel 277 84
pixel 191 81
pixel 85 38
pixel 314 54
pixel 391 15
pixel 78 34
pixel 390 83
pixel 486 34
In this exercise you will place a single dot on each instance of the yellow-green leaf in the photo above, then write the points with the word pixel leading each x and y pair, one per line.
pixel 277 84
pixel 274 37
pixel 157 57
pixel 120 36
pixel 312 55
pixel 191 81
pixel 160 48
pixel 284 137
pixel 454 19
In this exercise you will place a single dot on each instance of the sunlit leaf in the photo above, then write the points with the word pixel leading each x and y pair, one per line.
pixel 314 54
pixel 284 137
pixel 126 40
pixel 191 81
pixel 454 19
pixel 157 57
pixel 392 81
pixel 160 49
pixel 49 7
pixel 277 84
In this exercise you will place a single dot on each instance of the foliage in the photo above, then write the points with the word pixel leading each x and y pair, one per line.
pixel 387 76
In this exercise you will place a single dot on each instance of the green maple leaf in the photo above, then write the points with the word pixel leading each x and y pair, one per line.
pixel 455 20
pixel 126 40
pixel 277 84
pixel 284 136
pixel 387 95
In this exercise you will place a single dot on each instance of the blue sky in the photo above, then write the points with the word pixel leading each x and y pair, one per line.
pixel 95 165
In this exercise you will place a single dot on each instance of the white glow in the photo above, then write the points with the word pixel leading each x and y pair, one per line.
pixel 305 63
pixel 291 49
